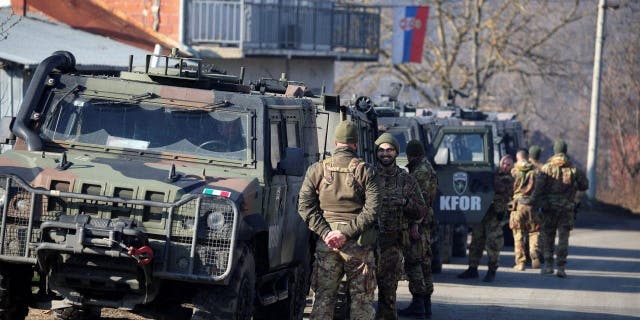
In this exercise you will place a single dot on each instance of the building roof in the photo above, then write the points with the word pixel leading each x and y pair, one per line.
pixel 29 40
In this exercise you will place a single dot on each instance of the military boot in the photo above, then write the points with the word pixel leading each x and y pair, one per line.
pixel 560 273
pixel 415 310
pixel 470 273
pixel 548 268
pixel 427 306
pixel 535 264
pixel 490 276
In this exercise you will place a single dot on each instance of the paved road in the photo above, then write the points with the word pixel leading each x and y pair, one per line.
pixel 603 281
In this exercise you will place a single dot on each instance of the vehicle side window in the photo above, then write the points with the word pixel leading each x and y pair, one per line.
pixel 276 143
pixel 293 136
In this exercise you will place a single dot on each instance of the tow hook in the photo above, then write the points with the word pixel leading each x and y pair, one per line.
pixel 143 255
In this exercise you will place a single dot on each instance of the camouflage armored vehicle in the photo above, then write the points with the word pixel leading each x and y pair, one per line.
pixel 162 187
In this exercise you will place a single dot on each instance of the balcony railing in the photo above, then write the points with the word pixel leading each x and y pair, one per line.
pixel 272 27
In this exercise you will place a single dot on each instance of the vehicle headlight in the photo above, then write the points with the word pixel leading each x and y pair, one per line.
pixel 215 220
pixel 3 194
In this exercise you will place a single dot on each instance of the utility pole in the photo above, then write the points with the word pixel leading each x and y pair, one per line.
pixel 595 102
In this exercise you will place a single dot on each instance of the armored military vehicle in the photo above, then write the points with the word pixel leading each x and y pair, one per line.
pixel 165 186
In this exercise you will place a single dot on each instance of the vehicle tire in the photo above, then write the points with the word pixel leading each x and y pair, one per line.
pixel 15 291
pixel 234 301
pixel 293 307
pixel 507 235
pixel 436 261
pixel 459 241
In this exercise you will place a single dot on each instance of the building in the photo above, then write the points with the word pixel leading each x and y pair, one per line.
pixel 26 41
pixel 302 38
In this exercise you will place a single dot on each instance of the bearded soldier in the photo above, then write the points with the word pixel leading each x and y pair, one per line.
pixel 488 233
pixel 556 186
pixel 339 201
pixel 417 256
pixel 524 221
pixel 400 202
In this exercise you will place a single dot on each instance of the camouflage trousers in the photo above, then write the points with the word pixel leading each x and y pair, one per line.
pixel 560 219
pixel 487 235
pixel 417 266
pixel 358 263
pixel 524 221
pixel 387 275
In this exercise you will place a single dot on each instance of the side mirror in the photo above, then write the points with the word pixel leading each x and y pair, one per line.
pixel 442 157
pixel 293 162
pixel 6 136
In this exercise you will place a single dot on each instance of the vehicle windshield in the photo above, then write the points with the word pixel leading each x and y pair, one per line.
pixel 147 126
pixel 463 147
pixel 400 134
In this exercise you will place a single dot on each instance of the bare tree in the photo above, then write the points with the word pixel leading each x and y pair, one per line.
pixel 620 169
pixel 471 43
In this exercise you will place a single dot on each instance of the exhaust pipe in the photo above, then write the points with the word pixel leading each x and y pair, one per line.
pixel 62 60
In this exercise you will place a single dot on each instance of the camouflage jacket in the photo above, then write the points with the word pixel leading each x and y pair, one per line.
pixel 558 182
pixel 428 181
pixel 341 188
pixel 400 201
pixel 537 165
pixel 523 173
pixel 503 184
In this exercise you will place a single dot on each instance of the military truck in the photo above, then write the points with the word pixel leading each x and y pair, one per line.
pixel 164 187
pixel 465 147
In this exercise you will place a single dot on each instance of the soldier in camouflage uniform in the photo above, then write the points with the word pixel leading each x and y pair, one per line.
pixel 524 221
pixel 339 200
pixel 534 156
pixel 400 203
pixel 417 256
pixel 488 233
pixel 556 186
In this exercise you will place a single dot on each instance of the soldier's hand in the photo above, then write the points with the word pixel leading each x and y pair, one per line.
pixel 335 239
pixel 415 232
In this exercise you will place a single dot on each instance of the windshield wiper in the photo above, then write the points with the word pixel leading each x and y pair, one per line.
pixel 206 108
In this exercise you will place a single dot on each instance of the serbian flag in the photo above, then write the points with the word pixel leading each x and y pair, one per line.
pixel 409 29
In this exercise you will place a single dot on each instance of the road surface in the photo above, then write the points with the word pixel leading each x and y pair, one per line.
pixel 603 281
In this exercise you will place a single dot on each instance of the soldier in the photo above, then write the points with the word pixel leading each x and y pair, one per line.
pixel 400 203
pixel 339 200
pixel 417 256
pixel 534 156
pixel 524 221
pixel 488 233
pixel 556 186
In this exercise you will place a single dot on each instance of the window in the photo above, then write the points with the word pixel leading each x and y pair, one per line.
pixel 147 127
pixel 275 145
pixel 293 137
pixel 463 147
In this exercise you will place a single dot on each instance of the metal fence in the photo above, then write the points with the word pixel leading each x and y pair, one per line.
pixel 272 25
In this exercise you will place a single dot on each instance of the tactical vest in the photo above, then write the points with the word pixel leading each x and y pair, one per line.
pixel 563 182
pixel 521 188
pixel 339 190
pixel 390 218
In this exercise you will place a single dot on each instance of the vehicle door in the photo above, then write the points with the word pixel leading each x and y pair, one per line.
pixel 464 165
pixel 285 224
